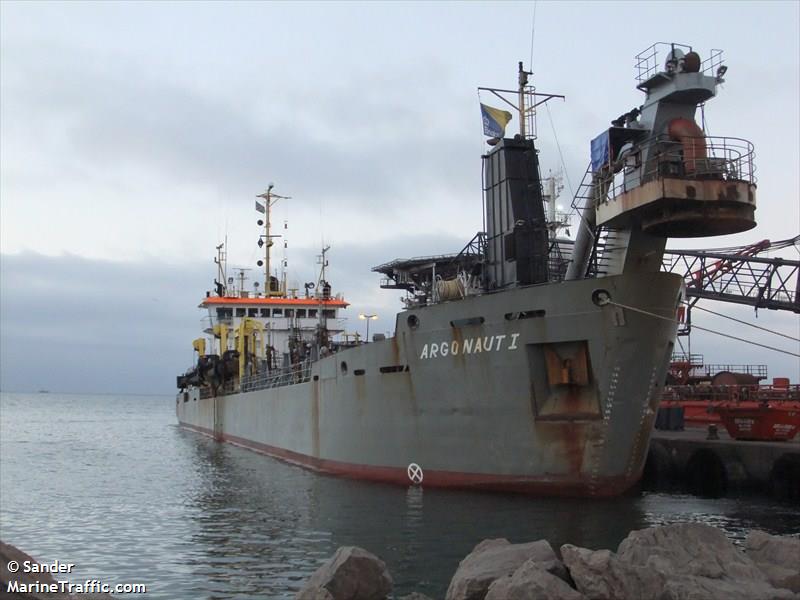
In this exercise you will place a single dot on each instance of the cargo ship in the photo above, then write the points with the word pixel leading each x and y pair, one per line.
pixel 526 362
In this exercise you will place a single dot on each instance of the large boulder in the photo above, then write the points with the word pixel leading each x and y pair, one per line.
pixel 705 588
pixel 687 549
pixel 685 561
pixel 31 582
pixel 24 581
pixel 493 559
pixel 531 582
pixel 699 562
pixel 601 575
pixel 778 557
pixel 351 573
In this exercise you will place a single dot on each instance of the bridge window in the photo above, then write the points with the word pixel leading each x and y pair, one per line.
pixel 224 313
pixel 289 313
pixel 252 312
pixel 329 313
pixel 312 313
pixel 301 313
pixel 277 312
pixel 240 312
pixel 265 312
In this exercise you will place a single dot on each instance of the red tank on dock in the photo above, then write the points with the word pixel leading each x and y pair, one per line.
pixel 733 396
pixel 766 422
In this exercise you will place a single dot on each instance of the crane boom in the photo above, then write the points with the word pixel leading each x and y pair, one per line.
pixel 738 275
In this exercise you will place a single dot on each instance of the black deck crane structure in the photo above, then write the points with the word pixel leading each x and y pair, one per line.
pixel 738 275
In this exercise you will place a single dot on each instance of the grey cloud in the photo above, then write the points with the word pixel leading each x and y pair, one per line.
pixel 76 325
pixel 115 115
pixel 72 324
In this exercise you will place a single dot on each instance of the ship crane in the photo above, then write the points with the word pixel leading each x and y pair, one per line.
pixel 739 276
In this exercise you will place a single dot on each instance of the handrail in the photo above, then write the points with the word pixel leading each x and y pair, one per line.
pixel 650 61
pixel 297 373
pixel 731 393
pixel 717 158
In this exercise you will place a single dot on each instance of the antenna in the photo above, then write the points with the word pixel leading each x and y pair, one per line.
pixel 285 261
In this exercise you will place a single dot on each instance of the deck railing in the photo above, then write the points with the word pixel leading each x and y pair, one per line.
pixel 297 373
pixel 731 393
pixel 652 60
pixel 698 158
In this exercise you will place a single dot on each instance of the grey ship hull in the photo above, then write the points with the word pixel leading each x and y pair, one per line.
pixel 482 409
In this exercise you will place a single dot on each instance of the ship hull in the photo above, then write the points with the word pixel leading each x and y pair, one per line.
pixel 539 390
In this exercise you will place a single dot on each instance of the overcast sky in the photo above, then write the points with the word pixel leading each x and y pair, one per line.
pixel 134 137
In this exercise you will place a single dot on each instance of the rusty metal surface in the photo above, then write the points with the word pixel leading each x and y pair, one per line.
pixel 683 207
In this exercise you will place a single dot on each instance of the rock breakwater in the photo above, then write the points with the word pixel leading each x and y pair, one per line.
pixel 686 561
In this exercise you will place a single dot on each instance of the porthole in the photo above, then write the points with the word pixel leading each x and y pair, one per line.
pixel 413 321
pixel 343 367
pixel 601 297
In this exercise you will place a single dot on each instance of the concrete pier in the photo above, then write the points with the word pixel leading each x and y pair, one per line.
pixel 709 467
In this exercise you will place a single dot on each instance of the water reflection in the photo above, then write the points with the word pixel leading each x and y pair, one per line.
pixel 129 497
pixel 264 525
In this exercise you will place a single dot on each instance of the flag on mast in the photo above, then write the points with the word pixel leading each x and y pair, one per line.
pixel 494 120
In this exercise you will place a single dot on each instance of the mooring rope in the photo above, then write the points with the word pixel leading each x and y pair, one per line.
pixel 672 320
pixel 794 339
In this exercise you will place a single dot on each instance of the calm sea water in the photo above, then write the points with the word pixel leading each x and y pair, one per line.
pixel 111 484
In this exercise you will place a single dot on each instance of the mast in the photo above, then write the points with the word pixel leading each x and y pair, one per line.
pixel 221 283
pixel 551 198
pixel 525 108
pixel 265 239
pixel 523 81
pixel 323 288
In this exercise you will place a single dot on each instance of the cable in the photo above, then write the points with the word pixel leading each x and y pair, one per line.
pixel 671 320
pixel 779 245
pixel 560 154
pixel 794 339
pixel 575 210
pixel 747 341
pixel 566 175
pixel 533 32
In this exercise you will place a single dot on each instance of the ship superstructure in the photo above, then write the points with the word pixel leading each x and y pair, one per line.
pixel 524 362
pixel 268 334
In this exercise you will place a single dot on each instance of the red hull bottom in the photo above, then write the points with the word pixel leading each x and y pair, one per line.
pixel 551 486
